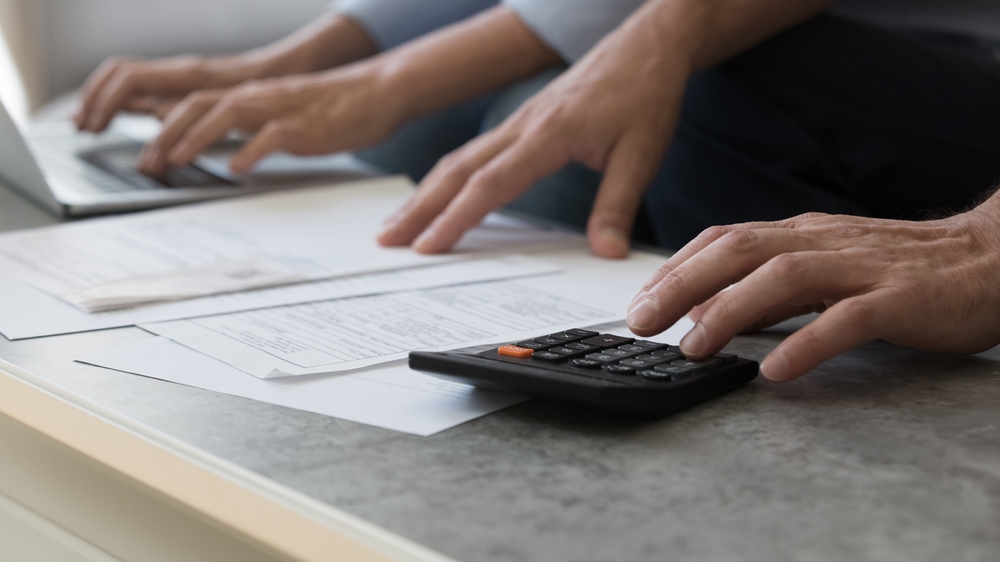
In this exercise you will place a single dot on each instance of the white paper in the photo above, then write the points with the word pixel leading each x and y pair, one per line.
pixel 26 312
pixel 347 334
pixel 389 396
pixel 233 245
pixel 590 291
pixel 392 396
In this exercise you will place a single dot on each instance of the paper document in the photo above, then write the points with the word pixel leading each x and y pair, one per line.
pixel 26 312
pixel 348 334
pixel 391 397
pixel 234 245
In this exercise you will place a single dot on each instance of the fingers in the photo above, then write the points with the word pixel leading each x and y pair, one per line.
pixel 690 249
pixel 440 186
pixel 630 168
pixel 794 279
pixel 712 234
pixel 151 105
pixel 92 88
pixel 722 263
pixel 153 160
pixel 842 327
pixel 496 183
pixel 287 134
pixel 112 97
pixel 212 126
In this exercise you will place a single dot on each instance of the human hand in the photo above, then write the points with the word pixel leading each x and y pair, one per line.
pixel 306 114
pixel 614 111
pixel 156 86
pixel 933 286
pixel 150 86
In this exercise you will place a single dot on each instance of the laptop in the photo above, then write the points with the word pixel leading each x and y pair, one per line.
pixel 76 174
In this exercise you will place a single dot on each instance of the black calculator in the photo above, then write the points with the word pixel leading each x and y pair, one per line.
pixel 615 373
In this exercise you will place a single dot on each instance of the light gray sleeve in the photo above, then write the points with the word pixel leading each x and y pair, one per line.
pixel 572 27
pixel 393 22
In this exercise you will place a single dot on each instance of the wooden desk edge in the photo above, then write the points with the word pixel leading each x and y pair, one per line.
pixel 283 520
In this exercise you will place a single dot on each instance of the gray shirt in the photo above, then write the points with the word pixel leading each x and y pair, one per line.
pixel 570 27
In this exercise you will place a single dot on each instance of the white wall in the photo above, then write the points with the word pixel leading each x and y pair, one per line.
pixel 75 35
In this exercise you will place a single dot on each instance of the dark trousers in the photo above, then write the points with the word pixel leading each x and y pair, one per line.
pixel 837 117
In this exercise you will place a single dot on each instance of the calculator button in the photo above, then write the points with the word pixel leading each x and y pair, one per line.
pixel 657 376
pixel 549 341
pixel 603 358
pixel 587 363
pixel 567 336
pixel 634 348
pixel 666 355
pixel 515 351
pixel 650 344
pixel 582 333
pixel 607 340
pixel 530 344
pixel 726 358
pixel 581 346
pixel 621 353
pixel 620 370
pixel 548 356
pixel 640 364
pixel 676 370
pixel 651 358
pixel 698 366
pixel 567 352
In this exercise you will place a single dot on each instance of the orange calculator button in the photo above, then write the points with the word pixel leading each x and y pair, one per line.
pixel 514 351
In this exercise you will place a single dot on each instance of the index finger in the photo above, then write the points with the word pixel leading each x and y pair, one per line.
pixel 722 263
pixel 440 186
pixel 500 181
pixel 210 128
pixel 92 87
pixel 707 237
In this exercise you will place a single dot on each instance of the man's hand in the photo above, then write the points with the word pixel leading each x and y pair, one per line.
pixel 613 111
pixel 307 114
pixel 156 86
pixel 147 86
pixel 933 286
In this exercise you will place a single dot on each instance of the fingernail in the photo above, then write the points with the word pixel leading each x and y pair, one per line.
pixel 390 223
pixel 616 237
pixel 643 315
pixel 694 341
pixel 637 298
pixel 775 367
pixel 424 239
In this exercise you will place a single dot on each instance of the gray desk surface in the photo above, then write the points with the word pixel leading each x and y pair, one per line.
pixel 882 454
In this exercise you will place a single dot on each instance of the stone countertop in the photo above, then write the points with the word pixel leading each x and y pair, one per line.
pixel 881 454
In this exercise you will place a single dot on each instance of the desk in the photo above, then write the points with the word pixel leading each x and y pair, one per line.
pixel 882 454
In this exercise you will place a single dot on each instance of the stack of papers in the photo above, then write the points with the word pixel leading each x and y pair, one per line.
pixel 287 298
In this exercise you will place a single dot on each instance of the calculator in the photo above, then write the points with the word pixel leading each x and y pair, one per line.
pixel 615 373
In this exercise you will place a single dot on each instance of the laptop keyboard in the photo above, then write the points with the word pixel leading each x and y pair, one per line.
pixel 57 155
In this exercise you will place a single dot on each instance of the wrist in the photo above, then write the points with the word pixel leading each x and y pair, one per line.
pixel 468 60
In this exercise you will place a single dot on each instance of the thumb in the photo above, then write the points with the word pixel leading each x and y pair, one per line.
pixel 632 165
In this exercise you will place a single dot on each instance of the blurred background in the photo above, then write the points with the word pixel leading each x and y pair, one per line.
pixel 48 47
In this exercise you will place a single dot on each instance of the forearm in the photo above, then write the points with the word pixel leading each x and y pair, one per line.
pixel 462 62
pixel 330 41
